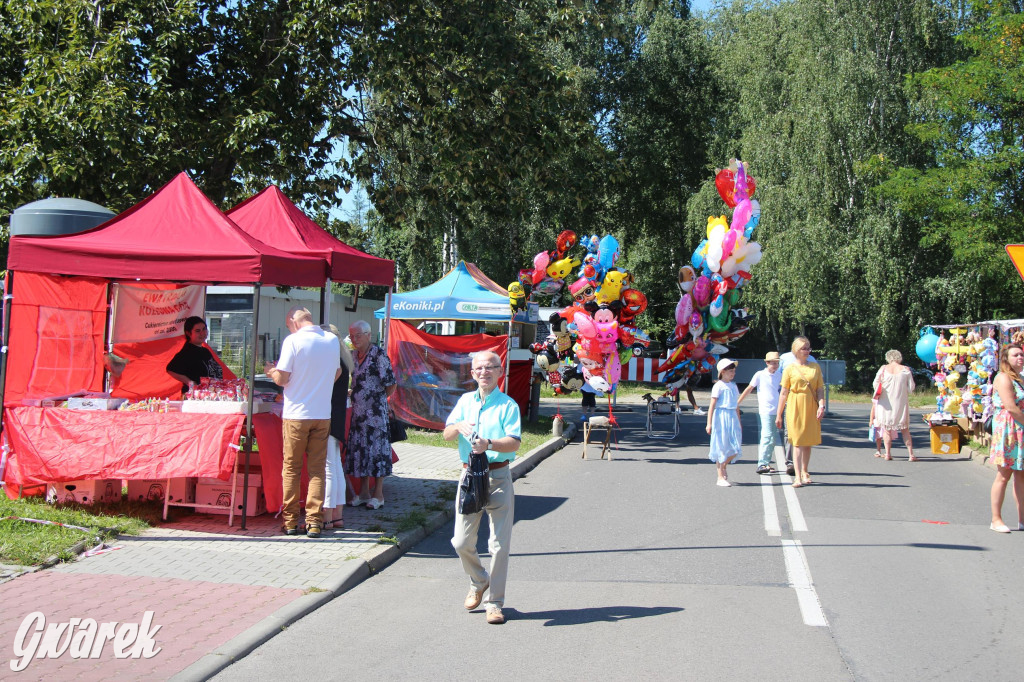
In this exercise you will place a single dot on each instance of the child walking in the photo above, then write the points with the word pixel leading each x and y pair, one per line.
pixel 767 383
pixel 724 421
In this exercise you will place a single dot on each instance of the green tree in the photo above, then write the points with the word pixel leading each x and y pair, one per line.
pixel 968 194
pixel 106 101
pixel 816 92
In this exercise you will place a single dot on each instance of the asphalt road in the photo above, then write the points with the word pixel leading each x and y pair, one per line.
pixel 642 568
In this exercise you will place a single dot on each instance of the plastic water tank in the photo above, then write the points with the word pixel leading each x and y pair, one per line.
pixel 57 216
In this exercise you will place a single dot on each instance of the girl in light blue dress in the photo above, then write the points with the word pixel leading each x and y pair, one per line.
pixel 724 421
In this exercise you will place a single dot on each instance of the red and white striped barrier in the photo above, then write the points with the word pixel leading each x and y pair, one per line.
pixel 642 369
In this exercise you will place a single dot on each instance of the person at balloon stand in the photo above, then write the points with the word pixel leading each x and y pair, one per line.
pixel 767 383
pixel 784 360
pixel 589 401
pixel 803 400
pixel 1007 448
pixel 893 384
pixel 724 421
pixel 691 382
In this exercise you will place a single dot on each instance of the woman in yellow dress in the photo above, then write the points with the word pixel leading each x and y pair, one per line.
pixel 804 390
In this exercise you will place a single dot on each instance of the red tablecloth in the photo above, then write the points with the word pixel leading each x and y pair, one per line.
pixel 57 444
pixel 271 445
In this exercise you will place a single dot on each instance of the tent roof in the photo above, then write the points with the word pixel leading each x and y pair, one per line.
pixel 271 217
pixel 465 293
pixel 176 234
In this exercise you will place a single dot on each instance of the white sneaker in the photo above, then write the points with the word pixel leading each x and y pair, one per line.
pixel 724 483
pixel 699 412
pixel 374 503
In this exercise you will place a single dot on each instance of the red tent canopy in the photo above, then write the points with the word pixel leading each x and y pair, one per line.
pixel 271 217
pixel 175 235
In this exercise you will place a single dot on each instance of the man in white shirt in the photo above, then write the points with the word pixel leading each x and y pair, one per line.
pixel 310 364
pixel 767 383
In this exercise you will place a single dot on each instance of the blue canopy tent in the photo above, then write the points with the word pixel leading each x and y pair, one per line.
pixel 464 294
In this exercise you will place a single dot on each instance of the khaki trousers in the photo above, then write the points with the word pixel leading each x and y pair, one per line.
pixel 309 437
pixel 501 514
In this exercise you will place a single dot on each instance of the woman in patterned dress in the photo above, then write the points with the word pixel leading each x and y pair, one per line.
pixel 804 390
pixel 369 448
pixel 1007 450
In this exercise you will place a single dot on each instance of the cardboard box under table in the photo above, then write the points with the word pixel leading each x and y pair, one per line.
pixel 181 489
pixel 945 440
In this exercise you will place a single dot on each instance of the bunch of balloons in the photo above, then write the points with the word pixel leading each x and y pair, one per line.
pixel 594 335
pixel 708 315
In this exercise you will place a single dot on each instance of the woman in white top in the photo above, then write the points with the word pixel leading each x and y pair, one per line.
pixel 892 413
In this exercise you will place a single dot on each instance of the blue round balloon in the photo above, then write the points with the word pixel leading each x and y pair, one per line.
pixel 926 346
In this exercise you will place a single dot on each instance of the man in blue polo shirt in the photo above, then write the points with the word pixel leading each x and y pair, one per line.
pixel 487 420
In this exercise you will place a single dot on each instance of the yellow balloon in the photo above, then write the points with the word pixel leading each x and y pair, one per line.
pixel 714 221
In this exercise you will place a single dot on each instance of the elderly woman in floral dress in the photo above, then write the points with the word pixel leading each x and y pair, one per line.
pixel 369 448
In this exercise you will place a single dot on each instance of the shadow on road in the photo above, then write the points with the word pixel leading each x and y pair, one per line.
pixel 599 614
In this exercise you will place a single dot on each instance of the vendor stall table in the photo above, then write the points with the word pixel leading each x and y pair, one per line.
pixel 55 444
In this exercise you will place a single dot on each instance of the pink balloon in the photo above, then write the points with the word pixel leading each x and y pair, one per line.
pixel 728 244
pixel 540 266
pixel 741 216
pixel 741 192
pixel 585 325
pixel 613 369
pixel 683 309
pixel 701 292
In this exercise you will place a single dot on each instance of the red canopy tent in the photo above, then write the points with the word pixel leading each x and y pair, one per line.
pixel 175 235
pixel 271 217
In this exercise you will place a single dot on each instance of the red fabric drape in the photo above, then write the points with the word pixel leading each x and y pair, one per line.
pixel 55 444
pixel 433 371
pixel 146 373
pixel 519 384
pixel 55 344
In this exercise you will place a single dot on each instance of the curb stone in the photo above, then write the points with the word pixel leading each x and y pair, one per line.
pixel 347 577
pixel 978 457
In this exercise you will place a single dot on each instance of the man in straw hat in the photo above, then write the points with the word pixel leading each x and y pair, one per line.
pixel 767 383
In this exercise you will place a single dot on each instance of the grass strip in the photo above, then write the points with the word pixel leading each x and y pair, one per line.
pixel 30 544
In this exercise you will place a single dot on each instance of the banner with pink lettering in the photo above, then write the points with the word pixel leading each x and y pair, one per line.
pixel 142 314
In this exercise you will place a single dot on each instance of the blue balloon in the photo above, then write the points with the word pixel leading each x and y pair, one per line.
pixel 697 260
pixel 926 346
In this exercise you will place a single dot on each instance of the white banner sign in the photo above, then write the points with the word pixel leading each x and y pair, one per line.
pixel 150 314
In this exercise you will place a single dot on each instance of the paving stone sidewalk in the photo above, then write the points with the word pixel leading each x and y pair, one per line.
pixel 207 583
pixel 217 592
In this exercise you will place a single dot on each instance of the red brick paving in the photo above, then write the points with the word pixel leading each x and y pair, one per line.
pixel 196 618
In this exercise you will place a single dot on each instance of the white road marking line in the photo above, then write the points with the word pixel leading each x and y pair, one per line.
pixel 771 513
pixel 800 578
pixel 796 514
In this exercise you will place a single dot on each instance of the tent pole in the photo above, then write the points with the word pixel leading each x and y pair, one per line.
pixel 508 353
pixel 252 392
pixel 387 316
pixel 325 303
pixel 108 333
pixel 8 300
